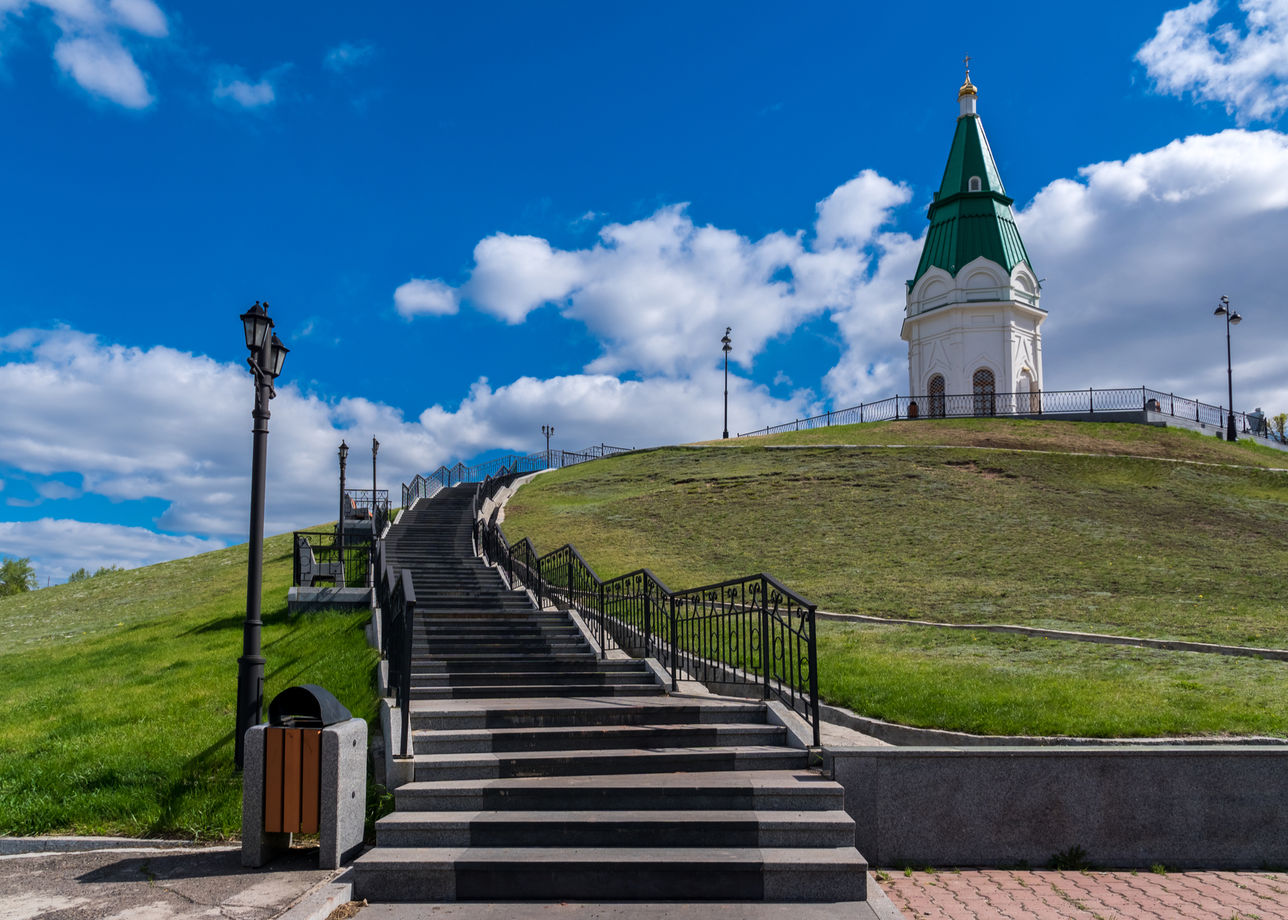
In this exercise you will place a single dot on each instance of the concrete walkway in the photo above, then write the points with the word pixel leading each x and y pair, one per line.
pixel 990 894
pixel 142 882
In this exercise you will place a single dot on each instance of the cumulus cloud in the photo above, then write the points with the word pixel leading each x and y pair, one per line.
pixel 94 47
pixel 233 87
pixel 421 297
pixel 347 55
pixel 1245 69
pixel 1138 251
pixel 652 290
pixel 64 393
pixel 59 547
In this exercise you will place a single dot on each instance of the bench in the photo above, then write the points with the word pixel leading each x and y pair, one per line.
pixel 312 571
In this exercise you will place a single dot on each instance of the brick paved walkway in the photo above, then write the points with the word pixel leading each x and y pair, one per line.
pixel 999 894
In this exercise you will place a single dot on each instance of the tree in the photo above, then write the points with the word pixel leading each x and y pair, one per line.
pixel 1280 422
pixel 79 575
pixel 16 576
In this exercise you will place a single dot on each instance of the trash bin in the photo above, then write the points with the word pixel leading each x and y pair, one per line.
pixel 293 757
pixel 306 773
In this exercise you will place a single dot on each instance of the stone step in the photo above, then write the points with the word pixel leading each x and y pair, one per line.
pixel 591 762
pixel 617 873
pixel 574 666
pixel 504 691
pixel 617 828
pixel 528 679
pixel 554 713
pixel 599 737
pixel 716 790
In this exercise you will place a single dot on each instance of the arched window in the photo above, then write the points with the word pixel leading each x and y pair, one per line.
pixel 1028 386
pixel 936 393
pixel 974 184
pixel 985 386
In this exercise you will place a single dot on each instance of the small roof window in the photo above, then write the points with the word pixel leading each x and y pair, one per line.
pixel 974 184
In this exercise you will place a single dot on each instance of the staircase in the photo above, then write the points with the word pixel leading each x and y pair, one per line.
pixel 543 772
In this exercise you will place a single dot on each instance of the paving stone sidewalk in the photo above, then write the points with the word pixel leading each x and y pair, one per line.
pixel 990 894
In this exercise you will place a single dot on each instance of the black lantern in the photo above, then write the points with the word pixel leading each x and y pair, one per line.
pixel 1231 319
pixel 256 323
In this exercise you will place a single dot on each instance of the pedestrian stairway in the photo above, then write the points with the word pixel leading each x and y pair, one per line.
pixel 544 772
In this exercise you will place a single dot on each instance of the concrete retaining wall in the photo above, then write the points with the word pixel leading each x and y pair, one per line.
pixel 1213 806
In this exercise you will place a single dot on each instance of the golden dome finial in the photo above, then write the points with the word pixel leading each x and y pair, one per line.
pixel 968 88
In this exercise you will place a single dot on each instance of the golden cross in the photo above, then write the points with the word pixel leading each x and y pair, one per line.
pixel 966 61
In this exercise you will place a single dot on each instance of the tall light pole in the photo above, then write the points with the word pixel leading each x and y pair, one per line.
pixel 267 355
pixel 375 446
pixel 726 347
pixel 547 430
pixel 1231 319
pixel 344 456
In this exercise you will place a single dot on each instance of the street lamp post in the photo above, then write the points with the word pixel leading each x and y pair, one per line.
pixel 1231 319
pixel 375 446
pixel 267 355
pixel 344 456
pixel 547 430
pixel 726 347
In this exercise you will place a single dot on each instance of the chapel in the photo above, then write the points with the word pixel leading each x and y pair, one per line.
pixel 972 319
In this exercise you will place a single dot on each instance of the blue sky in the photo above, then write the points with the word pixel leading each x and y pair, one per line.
pixel 471 220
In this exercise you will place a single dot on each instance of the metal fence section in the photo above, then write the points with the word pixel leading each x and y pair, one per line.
pixel 396 598
pixel 320 557
pixel 368 506
pixel 1034 404
pixel 447 476
pixel 748 631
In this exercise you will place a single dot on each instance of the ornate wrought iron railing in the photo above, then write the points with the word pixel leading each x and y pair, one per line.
pixel 367 505
pixel 396 598
pixel 1035 404
pixel 749 631
pixel 320 557
pixel 446 476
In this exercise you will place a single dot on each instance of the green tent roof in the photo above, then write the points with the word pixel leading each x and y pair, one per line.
pixel 965 224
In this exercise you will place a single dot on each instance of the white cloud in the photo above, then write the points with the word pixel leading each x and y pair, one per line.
pixel 233 87
pixel 513 275
pixel 102 66
pixel 59 547
pixel 93 47
pixel 142 16
pixel 856 210
pixel 72 404
pixel 347 55
pixel 421 296
pixel 654 290
pixel 1246 70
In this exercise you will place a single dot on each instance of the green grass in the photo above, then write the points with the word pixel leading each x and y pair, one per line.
pixel 119 693
pixel 1112 542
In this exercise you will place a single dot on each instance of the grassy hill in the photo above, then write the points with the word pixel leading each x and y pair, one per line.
pixel 119 693
pixel 1070 525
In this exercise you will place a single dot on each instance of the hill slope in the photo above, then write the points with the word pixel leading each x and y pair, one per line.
pixel 1068 525
pixel 119 693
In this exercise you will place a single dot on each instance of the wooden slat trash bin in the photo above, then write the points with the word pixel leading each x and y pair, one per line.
pixel 306 773
pixel 292 780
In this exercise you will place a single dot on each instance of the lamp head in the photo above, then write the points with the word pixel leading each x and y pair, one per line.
pixel 256 325
pixel 277 352
pixel 375 446
pixel 344 451
pixel 1235 318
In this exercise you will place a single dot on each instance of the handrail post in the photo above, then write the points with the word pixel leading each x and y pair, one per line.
pixel 813 675
pixel 602 616
pixel 675 646
pixel 765 643
pixel 405 681
pixel 540 579
pixel 648 623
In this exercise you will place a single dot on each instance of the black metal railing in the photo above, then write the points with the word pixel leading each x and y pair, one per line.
pixel 749 631
pixel 1034 404
pixel 320 557
pixel 446 476
pixel 364 505
pixel 396 598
